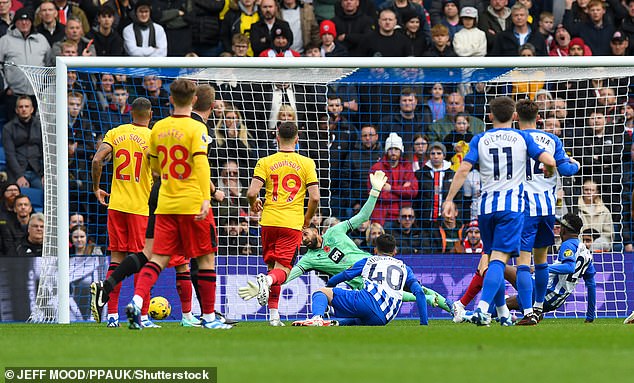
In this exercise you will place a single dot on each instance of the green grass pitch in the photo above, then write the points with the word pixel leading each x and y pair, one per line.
pixel 400 352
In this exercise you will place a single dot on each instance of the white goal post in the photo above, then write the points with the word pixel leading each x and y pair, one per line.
pixel 610 66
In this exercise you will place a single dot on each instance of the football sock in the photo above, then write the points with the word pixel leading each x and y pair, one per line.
pixel 115 316
pixel 209 317
pixel 145 317
pixel 188 316
pixel 491 284
pixel 274 314
pixel 278 276
pixel 147 278
pixel 320 303
pixel 113 294
pixel 184 289
pixel 500 302
pixel 193 270
pixel 207 286
pixel 349 321
pixel 474 288
pixel 524 286
pixel 541 283
pixel 274 296
pixel 130 265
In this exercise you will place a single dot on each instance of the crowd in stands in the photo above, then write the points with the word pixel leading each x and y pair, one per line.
pixel 418 134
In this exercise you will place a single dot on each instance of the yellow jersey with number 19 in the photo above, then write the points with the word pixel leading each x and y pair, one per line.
pixel 174 143
pixel 132 178
pixel 286 176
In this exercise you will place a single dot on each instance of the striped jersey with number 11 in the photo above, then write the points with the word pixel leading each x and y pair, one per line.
pixel 286 176
pixel 132 178
pixel 502 154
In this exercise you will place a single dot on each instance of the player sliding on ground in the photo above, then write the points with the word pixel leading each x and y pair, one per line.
pixel 380 299
pixel 335 252
pixel 573 262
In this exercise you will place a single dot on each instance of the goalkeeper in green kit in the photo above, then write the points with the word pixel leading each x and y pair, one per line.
pixel 335 252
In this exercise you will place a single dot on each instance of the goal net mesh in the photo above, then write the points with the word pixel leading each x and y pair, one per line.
pixel 345 118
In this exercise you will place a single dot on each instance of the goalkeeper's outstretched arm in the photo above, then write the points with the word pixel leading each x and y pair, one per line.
pixel 378 180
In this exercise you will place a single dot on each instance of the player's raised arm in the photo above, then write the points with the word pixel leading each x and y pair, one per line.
pixel 97 165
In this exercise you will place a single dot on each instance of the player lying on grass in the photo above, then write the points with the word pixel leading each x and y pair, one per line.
pixel 573 262
pixel 335 252
pixel 380 299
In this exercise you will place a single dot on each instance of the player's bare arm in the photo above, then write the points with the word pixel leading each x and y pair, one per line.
pixel 449 207
pixel 313 203
pixel 97 165
pixel 253 195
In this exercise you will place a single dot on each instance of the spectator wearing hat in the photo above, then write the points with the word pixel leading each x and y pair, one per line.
pixel 627 25
pixel 595 32
pixel 470 41
pixel 352 25
pixel 496 19
pixel 418 41
pixel 577 47
pixel 263 30
pixel 281 38
pixel 441 43
pixel 144 38
pixel 451 17
pixel 401 187
pixel 329 46
pixel 508 42
pixel 433 181
pixel 301 18
pixel 472 242
pixel 21 45
pixel 620 43
pixel 385 41
pixel 403 7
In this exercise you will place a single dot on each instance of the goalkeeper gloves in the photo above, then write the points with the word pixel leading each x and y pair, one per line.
pixel 378 179
pixel 249 291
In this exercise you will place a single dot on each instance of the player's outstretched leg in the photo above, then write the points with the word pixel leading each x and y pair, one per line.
pixel 134 316
pixel 98 300
pixel 320 304
pixel 263 289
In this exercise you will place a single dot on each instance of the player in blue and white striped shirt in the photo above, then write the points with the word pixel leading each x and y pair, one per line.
pixel 573 262
pixel 378 302
pixel 539 216
pixel 501 153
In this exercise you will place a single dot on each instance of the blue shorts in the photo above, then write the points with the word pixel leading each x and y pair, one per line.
pixel 501 231
pixel 538 232
pixel 357 304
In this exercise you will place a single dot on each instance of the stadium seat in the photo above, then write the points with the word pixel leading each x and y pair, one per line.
pixel 36 196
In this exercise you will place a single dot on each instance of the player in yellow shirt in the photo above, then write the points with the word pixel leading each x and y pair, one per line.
pixel 128 145
pixel 288 176
pixel 184 221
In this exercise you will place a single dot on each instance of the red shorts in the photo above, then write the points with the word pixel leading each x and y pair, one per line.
pixel 281 244
pixel 176 234
pixel 126 231
pixel 177 260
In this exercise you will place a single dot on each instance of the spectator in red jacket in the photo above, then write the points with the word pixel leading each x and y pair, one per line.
pixel 402 185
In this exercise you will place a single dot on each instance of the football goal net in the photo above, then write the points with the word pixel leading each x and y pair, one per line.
pixel 347 111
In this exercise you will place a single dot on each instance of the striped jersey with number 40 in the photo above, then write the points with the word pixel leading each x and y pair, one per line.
pixel 384 278
pixel 502 154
